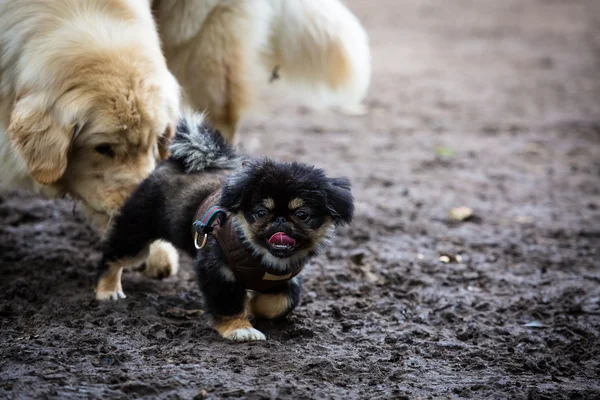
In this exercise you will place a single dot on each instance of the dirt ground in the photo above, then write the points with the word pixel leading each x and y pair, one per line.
pixel 493 105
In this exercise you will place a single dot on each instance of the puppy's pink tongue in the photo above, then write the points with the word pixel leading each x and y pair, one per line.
pixel 282 238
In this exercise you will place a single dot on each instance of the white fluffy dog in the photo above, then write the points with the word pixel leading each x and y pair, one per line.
pixel 224 51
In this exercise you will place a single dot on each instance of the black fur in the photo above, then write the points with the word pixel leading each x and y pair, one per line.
pixel 164 205
pixel 292 180
pixel 222 297
pixel 198 147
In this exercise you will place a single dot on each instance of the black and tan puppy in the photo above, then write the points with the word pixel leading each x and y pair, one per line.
pixel 251 226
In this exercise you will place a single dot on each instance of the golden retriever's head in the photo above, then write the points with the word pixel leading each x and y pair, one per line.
pixel 99 130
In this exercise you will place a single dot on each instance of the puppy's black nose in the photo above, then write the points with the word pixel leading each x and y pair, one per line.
pixel 280 220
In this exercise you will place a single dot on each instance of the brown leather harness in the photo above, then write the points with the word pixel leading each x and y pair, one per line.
pixel 245 265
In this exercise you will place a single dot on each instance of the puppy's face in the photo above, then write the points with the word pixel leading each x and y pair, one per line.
pixel 287 211
pixel 99 133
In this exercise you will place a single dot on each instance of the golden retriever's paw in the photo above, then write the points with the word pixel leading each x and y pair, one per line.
pixel 245 335
pixel 162 261
pixel 103 295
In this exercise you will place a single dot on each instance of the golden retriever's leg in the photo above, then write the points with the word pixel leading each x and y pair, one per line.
pixel 213 68
pixel 227 127
pixel 162 261
pixel 109 276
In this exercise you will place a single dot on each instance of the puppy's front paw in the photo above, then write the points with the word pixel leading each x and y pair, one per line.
pixel 109 295
pixel 245 335
pixel 238 329
pixel 162 261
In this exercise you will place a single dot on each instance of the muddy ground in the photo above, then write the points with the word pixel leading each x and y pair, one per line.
pixel 494 105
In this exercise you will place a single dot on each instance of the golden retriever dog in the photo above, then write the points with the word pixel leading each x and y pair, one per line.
pixel 224 52
pixel 87 103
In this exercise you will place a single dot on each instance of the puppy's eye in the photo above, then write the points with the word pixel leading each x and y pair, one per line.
pixel 261 213
pixel 105 150
pixel 302 215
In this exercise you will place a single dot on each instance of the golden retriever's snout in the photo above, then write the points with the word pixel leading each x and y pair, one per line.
pixel 104 186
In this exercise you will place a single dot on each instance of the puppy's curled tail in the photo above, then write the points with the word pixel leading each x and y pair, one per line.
pixel 322 51
pixel 199 147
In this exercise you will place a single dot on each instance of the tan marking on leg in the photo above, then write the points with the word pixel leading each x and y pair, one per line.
pixel 226 325
pixel 269 203
pixel 295 203
pixel 237 328
pixel 269 305
pixel 109 284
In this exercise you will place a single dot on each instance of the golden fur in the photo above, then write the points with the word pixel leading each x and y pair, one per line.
pixel 269 305
pixel 87 103
pixel 225 52
pixel 85 95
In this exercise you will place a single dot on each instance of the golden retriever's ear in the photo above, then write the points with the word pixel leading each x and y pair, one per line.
pixel 164 141
pixel 40 140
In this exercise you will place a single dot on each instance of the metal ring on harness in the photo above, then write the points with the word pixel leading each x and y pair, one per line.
pixel 204 240
pixel 205 226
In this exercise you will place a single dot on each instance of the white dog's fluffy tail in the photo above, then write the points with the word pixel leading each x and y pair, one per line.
pixel 320 49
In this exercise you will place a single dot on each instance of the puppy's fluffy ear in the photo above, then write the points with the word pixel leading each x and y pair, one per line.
pixel 41 141
pixel 236 188
pixel 340 202
pixel 164 141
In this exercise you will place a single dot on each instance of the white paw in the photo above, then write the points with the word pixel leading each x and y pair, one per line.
pixel 162 261
pixel 245 335
pixel 107 295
